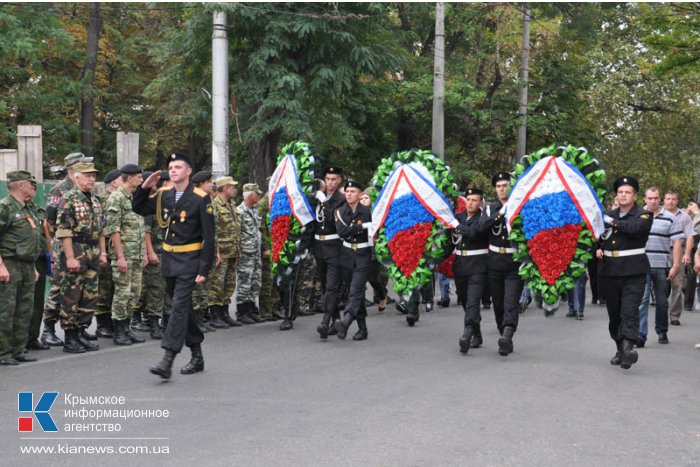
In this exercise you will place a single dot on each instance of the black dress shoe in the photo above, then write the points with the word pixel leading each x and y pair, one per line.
pixel 25 359
pixel 663 338
pixel 37 345
pixel 675 322
pixel 9 361
pixel 246 320
pixel 390 300
pixel 286 325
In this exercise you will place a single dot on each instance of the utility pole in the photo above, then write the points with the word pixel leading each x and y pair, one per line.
pixel 219 101
pixel 522 101
pixel 439 83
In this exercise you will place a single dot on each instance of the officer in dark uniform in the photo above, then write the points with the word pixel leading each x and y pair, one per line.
pixel 186 216
pixel 327 245
pixel 471 241
pixel 624 268
pixel 352 222
pixel 506 284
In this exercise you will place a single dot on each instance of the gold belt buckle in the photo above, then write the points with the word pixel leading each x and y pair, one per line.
pixel 354 247
pixel 502 250
pixel 322 237
pixel 615 254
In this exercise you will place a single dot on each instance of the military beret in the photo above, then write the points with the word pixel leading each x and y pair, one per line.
pixel 626 180
pixel 473 191
pixel 164 175
pixel 19 175
pixel 252 187
pixel 222 181
pixel 350 183
pixel 131 169
pixel 85 168
pixel 332 169
pixel 73 158
pixel 179 157
pixel 201 177
pixel 146 174
pixel 112 175
pixel 500 176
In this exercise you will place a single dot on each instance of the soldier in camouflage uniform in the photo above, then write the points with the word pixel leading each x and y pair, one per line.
pixel 53 306
pixel 249 270
pixel 80 229
pixel 105 284
pixel 127 254
pixel 222 279
pixel 20 245
pixel 203 181
pixel 269 296
pixel 33 342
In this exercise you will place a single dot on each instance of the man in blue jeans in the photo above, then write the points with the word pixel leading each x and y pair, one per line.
pixel 665 233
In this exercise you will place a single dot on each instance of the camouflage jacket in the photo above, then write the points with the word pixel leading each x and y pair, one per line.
pixel 228 228
pixel 264 211
pixel 103 197
pixel 80 217
pixel 54 198
pixel 156 232
pixel 21 235
pixel 250 230
pixel 121 219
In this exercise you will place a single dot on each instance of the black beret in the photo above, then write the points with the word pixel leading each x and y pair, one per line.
pixel 179 157
pixel 626 180
pixel 332 169
pixel 164 174
pixel 499 177
pixel 473 191
pixel 112 176
pixel 131 169
pixel 201 177
pixel 353 184
pixel 146 174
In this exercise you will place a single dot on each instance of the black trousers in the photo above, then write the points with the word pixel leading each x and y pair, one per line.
pixel 624 295
pixel 593 275
pixel 357 280
pixel 380 290
pixel 39 292
pixel 289 296
pixel 182 326
pixel 470 289
pixel 506 287
pixel 330 294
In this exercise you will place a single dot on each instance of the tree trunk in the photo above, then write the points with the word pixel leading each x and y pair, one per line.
pixel 522 101
pixel 87 77
pixel 262 156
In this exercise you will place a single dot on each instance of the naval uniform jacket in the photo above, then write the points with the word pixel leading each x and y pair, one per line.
pixel 355 252
pixel 623 235
pixel 188 228
pixel 500 256
pixel 472 234
pixel 325 225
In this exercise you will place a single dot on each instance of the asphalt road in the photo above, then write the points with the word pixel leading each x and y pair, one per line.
pixel 404 397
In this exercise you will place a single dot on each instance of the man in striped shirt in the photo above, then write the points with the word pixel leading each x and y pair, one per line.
pixel 665 233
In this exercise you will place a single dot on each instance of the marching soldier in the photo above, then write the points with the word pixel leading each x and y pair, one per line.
pixel 506 284
pixel 20 245
pixel 249 269
pixel 186 215
pixel 127 254
pixel 105 284
pixel 228 240
pixel 471 242
pixel 327 245
pixel 352 222
pixel 624 268
pixel 52 307
pixel 80 230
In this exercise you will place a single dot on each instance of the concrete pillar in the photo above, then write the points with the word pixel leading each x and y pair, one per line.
pixel 8 162
pixel 219 102
pixel 127 148
pixel 30 150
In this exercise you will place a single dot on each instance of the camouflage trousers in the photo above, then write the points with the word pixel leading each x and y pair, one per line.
pixel 200 296
pixel 269 297
pixel 308 286
pixel 153 300
pixel 105 291
pixel 52 306
pixel 79 289
pixel 16 303
pixel 222 283
pixel 249 272
pixel 127 289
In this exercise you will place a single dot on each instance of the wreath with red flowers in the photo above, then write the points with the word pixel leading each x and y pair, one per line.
pixel 417 241
pixel 289 240
pixel 550 265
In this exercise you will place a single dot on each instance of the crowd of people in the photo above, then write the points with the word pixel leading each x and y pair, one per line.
pixel 164 253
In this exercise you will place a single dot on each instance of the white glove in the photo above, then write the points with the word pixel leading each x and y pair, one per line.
pixel 321 196
pixel 454 223
pixel 367 225
pixel 608 220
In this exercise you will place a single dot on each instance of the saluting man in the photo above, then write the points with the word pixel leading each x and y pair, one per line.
pixel 352 222
pixel 186 217
pixel 625 267
pixel 471 240
pixel 506 284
